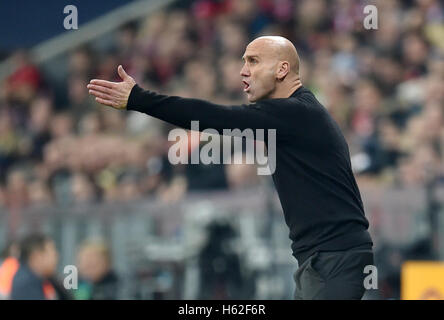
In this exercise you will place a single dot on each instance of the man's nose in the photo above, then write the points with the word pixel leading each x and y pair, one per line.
pixel 244 71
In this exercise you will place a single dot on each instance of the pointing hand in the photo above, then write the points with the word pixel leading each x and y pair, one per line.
pixel 112 94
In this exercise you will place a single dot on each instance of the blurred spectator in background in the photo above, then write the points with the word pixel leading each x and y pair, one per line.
pixel 22 85
pixel 38 262
pixel 97 280
pixel 38 126
pixel 8 268
pixel 220 265
pixel 79 103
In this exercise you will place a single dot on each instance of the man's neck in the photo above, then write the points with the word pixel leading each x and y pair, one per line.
pixel 287 88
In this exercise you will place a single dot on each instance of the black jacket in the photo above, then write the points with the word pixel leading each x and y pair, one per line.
pixel 313 177
pixel 26 285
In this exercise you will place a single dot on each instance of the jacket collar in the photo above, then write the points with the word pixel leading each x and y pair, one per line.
pixel 298 91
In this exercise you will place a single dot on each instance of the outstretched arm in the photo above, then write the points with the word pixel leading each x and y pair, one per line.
pixel 181 111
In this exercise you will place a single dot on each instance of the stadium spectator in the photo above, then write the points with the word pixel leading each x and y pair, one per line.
pixel 8 268
pixel 38 262
pixel 98 280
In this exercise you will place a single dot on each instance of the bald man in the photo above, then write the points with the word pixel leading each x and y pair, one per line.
pixel 313 176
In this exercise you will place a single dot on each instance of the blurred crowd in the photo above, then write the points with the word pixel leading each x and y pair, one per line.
pixel 28 271
pixel 384 87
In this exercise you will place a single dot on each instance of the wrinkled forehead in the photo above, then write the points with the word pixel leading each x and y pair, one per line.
pixel 260 48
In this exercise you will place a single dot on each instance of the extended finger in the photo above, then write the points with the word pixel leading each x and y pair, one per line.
pixel 103 83
pixel 122 72
pixel 105 102
pixel 100 88
pixel 101 95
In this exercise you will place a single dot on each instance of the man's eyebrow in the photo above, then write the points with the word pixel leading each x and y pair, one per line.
pixel 250 56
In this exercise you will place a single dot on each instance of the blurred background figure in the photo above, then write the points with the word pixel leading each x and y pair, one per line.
pixel 10 265
pixel 38 262
pixel 219 264
pixel 97 280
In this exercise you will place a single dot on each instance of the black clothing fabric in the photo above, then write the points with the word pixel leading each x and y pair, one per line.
pixel 333 275
pixel 26 285
pixel 313 175
pixel 61 292
pixel 106 288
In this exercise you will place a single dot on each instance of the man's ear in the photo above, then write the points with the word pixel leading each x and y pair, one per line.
pixel 283 70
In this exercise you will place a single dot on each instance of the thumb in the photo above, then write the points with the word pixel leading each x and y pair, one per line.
pixel 123 75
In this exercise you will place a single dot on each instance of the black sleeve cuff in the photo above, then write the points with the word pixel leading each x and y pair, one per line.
pixel 135 99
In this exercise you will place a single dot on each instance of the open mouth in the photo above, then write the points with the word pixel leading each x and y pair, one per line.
pixel 246 86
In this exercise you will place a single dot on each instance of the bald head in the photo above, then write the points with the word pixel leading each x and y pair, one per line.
pixel 279 48
pixel 271 68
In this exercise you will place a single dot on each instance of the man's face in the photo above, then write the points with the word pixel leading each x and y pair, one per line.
pixel 259 71
pixel 48 258
pixel 93 264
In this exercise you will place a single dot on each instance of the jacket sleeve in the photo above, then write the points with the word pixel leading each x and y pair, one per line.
pixel 181 111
